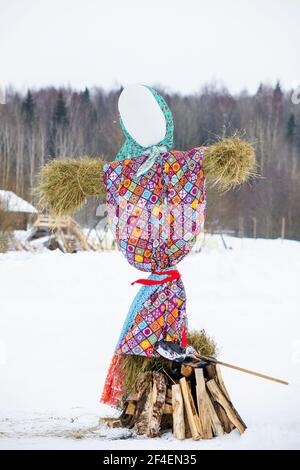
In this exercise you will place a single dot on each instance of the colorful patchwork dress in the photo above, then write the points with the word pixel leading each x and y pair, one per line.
pixel 156 204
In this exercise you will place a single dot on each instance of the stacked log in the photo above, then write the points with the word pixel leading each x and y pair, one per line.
pixel 197 405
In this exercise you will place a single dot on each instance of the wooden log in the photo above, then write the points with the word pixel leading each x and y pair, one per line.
pixel 192 416
pixel 168 409
pixel 144 391
pixel 158 398
pixel 213 372
pixel 178 413
pixel 203 406
pixel 130 409
pixel 167 419
pixel 221 382
pixel 142 420
pixel 226 423
pixel 222 400
pixel 188 433
pixel 216 424
pixel 186 371
pixel 195 413
pixel 169 396
pixel 225 392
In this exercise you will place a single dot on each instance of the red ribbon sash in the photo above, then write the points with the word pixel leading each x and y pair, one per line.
pixel 172 275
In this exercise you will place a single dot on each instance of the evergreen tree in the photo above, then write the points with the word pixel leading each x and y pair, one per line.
pixel 88 106
pixel 277 104
pixel 85 96
pixel 291 128
pixel 277 94
pixel 260 90
pixel 28 108
pixel 60 115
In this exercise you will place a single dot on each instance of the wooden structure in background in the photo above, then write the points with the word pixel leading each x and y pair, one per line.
pixel 63 233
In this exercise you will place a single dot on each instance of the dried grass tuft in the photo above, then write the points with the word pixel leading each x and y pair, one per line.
pixel 133 366
pixel 229 162
pixel 202 342
pixel 65 184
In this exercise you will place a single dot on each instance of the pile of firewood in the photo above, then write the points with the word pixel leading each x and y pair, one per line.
pixel 197 405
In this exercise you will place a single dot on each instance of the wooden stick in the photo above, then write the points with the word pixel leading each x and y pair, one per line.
pixel 178 413
pixel 219 397
pixel 190 409
pixel 241 369
pixel 167 409
pixel 188 433
pixel 213 372
pixel 144 399
pixel 158 398
pixel 186 371
pixel 194 409
pixel 228 426
pixel 131 407
pixel 225 392
pixel 203 406
pixel 215 422
pixel 221 382
pixel 168 401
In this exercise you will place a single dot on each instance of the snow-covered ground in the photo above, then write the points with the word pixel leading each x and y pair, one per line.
pixel 60 316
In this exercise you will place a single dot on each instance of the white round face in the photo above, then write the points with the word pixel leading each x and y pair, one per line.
pixel 141 115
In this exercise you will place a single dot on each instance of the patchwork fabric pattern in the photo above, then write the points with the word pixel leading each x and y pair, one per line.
pixel 156 203
pixel 161 316
pixel 156 218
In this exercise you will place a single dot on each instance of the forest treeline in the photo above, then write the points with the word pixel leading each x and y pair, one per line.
pixel 57 123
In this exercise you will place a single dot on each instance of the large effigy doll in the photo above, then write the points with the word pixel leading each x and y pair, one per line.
pixel 156 199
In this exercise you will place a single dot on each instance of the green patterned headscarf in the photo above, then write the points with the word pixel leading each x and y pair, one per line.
pixel 131 148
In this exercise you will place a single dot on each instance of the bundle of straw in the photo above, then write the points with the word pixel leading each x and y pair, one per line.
pixel 65 184
pixel 229 162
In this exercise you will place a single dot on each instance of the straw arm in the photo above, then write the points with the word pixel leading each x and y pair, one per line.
pixel 229 163
pixel 64 185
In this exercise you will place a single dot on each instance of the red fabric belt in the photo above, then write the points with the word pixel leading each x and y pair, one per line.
pixel 172 275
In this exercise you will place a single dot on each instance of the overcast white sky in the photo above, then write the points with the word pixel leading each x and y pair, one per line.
pixel 180 44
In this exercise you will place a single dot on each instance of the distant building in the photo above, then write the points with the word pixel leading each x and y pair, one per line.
pixel 15 212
